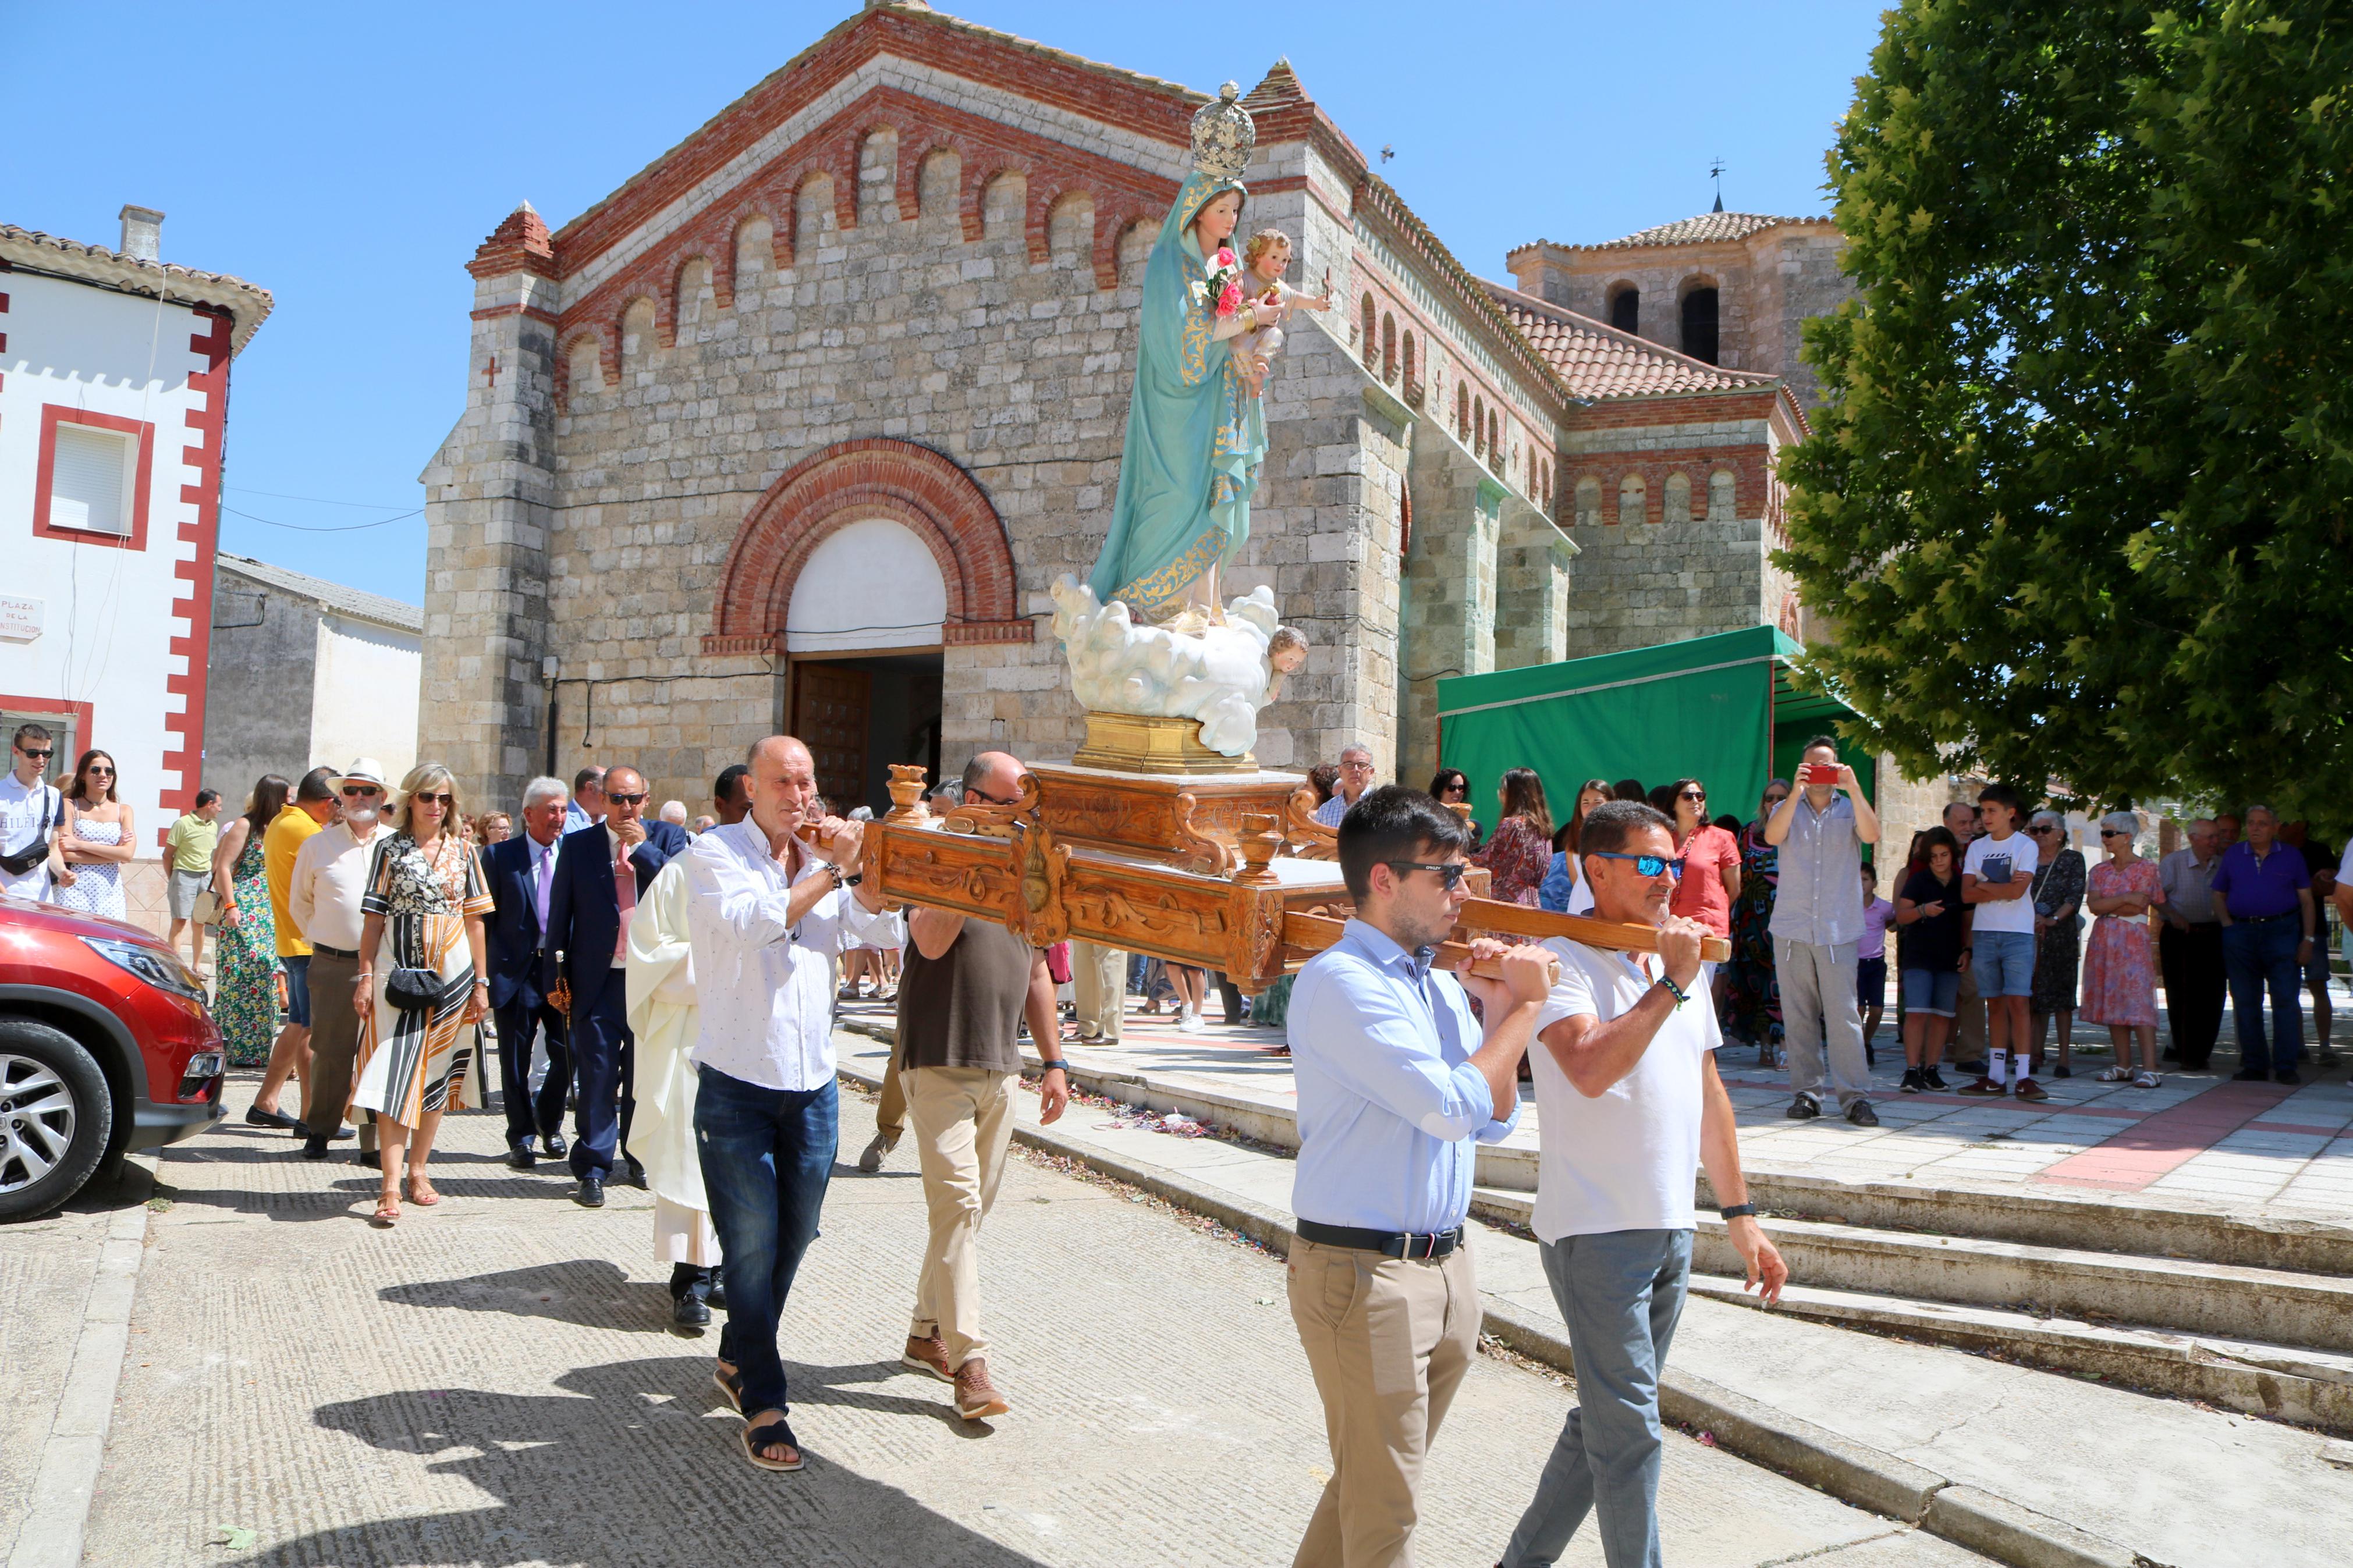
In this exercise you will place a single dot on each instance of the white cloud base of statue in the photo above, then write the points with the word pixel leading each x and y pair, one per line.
pixel 1219 677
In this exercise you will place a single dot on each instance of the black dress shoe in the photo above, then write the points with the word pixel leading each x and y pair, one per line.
pixel 2287 1075
pixel 314 1147
pixel 717 1295
pixel 519 1157
pixel 340 1133
pixel 556 1145
pixel 257 1117
pixel 372 1158
pixel 688 1315
pixel 591 1193
pixel 637 1176
pixel 2249 1075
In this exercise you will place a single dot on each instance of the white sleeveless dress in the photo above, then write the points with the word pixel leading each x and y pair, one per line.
pixel 98 884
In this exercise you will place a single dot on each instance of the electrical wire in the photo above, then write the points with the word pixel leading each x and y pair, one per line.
pixel 299 528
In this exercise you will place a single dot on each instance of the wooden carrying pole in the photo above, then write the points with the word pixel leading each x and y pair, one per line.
pixel 1311 934
pixel 1518 919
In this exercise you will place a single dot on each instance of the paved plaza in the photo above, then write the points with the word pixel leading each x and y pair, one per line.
pixel 493 1383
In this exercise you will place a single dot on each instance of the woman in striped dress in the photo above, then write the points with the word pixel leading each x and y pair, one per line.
pixel 424 904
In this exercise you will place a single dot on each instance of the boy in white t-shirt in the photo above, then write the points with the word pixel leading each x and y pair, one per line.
pixel 1995 878
pixel 1630 1105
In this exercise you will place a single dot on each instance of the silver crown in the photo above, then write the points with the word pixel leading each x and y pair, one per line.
pixel 1223 135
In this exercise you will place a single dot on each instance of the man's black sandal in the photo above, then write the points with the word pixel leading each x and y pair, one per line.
pixel 730 1383
pixel 774 1435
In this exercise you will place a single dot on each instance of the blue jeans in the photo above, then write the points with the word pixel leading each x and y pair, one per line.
pixel 2256 955
pixel 2004 963
pixel 298 989
pixel 1620 1294
pixel 767 1154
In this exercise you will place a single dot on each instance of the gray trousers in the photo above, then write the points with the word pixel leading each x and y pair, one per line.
pixel 1818 997
pixel 1622 1295
pixel 1098 979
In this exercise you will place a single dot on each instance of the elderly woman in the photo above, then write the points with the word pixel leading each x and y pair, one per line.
pixel 2058 894
pixel 2120 963
pixel 421 980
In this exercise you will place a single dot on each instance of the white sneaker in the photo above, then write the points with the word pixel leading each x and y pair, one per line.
pixel 1187 1018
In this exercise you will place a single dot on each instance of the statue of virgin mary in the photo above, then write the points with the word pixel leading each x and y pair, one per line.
pixel 1196 431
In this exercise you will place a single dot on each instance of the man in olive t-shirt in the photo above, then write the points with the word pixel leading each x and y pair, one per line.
pixel 965 988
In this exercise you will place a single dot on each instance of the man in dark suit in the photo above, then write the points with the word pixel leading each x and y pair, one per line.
pixel 601 871
pixel 521 872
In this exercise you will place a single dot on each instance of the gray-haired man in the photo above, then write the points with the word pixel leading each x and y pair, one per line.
pixel 521 871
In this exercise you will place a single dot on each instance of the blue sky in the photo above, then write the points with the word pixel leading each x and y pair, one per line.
pixel 349 158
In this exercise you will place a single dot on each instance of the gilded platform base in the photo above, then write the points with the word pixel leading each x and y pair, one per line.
pixel 1130 742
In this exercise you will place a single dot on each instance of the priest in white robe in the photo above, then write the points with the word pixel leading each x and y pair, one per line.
pixel 662 1014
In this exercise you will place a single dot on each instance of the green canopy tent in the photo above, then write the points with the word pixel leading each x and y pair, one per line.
pixel 1717 709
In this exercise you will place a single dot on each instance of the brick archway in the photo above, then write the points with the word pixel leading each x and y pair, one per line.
pixel 935 500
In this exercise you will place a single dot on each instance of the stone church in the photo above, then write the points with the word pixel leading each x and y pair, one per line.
pixel 795 427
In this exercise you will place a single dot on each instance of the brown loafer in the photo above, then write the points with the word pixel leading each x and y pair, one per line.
pixel 977 1398
pixel 927 1355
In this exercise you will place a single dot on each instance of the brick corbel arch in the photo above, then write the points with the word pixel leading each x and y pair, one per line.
pixel 934 498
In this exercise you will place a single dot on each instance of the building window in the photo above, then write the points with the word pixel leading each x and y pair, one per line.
pixel 1589 502
pixel 1677 499
pixel 1461 413
pixel 1478 427
pixel 1722 492
pixel 1412 383
pixel 91 478
pixel 1626 310
pixel 1495 439
pixel 1389 349
pixel 1631 498
pixel 1365 327
pixel 1699 325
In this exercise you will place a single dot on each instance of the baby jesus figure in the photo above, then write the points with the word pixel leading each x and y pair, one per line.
pixel 1264 260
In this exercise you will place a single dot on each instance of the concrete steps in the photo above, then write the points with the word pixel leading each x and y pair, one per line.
pixel 2267 1341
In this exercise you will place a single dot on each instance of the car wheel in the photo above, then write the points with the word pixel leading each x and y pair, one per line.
pixel 56 1118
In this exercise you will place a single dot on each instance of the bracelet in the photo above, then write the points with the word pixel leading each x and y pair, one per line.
pixel 1675 991
pixel 1737 1211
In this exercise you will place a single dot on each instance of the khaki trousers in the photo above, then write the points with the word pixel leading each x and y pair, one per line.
pixel 1388 1342
pixel 964 1122
pixel 335 1049
pixel 890 1116
pixel 1099 977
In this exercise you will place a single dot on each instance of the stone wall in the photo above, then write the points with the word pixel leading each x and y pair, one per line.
pixel 258 686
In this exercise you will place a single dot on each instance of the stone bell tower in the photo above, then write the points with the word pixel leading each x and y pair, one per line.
pixel 488 512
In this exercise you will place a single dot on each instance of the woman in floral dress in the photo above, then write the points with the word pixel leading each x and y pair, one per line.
pixel 245 955
pixel 2120 961
pixel 1520 853
pixel 424 904
pixel 1752 998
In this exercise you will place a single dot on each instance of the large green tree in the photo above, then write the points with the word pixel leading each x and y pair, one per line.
pixel 2078 502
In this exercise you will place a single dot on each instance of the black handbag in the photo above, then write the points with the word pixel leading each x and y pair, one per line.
pixel 418 990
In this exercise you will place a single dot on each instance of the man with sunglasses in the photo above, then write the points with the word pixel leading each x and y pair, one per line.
pixel 1397 1082
pixel 330 878
pixel 30 811
pixel 601 871
pixel 1817 926
pixel 1630 1104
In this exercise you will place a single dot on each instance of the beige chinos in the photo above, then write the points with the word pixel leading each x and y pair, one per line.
pixel 963 1118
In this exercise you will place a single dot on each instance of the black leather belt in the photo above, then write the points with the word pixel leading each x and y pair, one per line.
pixel 333 951
pixel 1387 1243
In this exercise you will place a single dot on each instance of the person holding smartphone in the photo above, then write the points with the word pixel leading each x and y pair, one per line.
pixel 1821 830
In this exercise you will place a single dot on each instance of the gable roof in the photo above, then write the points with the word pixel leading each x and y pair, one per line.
pixel 1599 361
pixel 246 304
pixel 335 596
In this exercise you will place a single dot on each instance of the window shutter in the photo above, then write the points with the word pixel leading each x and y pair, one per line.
pixel 85 481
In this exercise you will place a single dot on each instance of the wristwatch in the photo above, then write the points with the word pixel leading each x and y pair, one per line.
pixel 1045 1067
pixel 1738 1211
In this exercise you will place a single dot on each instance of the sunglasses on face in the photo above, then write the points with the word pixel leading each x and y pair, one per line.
pixel 2114 833
pixel 1693 795
pixel 626 799
pixel 444 801
pixel 1645 865
pixel 100 768
pixel 40 756
pixel 1450 875
pixel 354 792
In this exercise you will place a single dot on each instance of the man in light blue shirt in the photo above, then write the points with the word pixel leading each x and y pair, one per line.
pixel 1397 1082
pixel 1817 919
pixel 587 807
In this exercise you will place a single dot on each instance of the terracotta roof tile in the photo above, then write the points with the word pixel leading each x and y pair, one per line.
pixel 1598 360
pixel 1705 228
pixel 246 304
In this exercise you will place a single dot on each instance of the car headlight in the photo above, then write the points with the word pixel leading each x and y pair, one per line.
pixel 163 971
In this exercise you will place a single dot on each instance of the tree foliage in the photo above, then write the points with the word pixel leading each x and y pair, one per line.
pixel 2077 506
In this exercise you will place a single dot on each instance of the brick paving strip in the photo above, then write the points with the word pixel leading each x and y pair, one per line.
pixel 2164 1140
pixel 492 1383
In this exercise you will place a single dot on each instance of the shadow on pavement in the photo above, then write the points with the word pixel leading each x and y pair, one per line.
pixel 632 1467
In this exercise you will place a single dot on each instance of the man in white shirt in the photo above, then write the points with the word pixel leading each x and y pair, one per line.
pixel 770 915
pixel 1629 1104
pixel 32 813
pixel 330 878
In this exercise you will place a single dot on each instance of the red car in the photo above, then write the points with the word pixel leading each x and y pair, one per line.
pixel 106 1046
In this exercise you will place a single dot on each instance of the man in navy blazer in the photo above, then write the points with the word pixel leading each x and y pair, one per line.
pixel 586 948
pixel 521 872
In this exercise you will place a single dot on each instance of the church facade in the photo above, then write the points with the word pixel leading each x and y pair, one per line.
pixel 796 429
